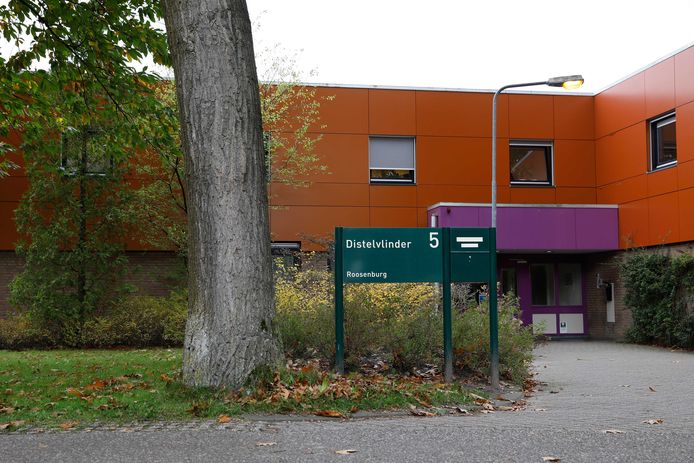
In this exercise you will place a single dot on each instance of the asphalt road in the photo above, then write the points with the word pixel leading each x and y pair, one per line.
pixel 590 408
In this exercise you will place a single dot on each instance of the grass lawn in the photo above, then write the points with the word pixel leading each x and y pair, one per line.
pixel 69 388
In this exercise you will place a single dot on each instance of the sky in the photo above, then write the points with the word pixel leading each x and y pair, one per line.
pixel 480 44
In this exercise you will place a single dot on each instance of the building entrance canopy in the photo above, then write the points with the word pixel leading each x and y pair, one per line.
pixel 579 228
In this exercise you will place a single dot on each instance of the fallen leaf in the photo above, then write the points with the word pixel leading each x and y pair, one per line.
pixel 7 410
pixel 330 413
pixel 477 397
pixel 354 409
pixel 625 385
pixel 9 392
pixel 540 409
pixel 345 452
pixel 166 378
pixel 652 389
pixel 221 419
pixel 505 408
pixel 488 406
pixel 11 424
pixel 418 412
pixel 68 425
pixel 654 421
pixel 613 431
pixel 96 385
pixel 551 458
pixel 74 392
pixel 265 444
pixel 462 410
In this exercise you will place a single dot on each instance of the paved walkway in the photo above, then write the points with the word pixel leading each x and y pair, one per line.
pixel 589 388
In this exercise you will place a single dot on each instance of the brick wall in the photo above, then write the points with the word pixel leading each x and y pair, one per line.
pixel 151 273
pixel 607 265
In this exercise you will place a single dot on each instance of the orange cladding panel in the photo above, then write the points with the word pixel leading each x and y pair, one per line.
pixel 393 216
pixel 460 113
pixel 422 217
pixel 573 117
pixel 428 195
pixel 621 155
pixel 664 219
pixel 453 161
pixel 620 106
pixel 347 112
pixel 659 81
pixel 685 175
pixel 686 213
pixel 533 195
pixel 531 116
pixel 8 230
pixel 314 224
pixel 320 194
pixel 392 112
pixel 575 195
pixel 574 163
pixel 684 70
pixel 662 181
pixel 624 191
pixel 345 157
pixel 633 224
pixel 13 188
pixel 393 195
pixel 685 132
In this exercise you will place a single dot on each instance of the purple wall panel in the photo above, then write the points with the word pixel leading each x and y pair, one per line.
pixel 540 228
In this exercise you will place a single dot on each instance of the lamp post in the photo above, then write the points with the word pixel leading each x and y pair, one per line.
pixel 568 82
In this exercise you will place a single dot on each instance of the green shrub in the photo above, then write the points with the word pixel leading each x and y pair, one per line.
pixel 139 321
pixel 401 324
pixel 516 341
pixel 19 331
pixel 658 291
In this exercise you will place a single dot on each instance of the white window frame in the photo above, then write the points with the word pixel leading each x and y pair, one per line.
pixel 654 125
pixel 394 181
pixel 550 170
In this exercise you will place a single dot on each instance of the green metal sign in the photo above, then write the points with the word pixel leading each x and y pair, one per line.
pixel 391 255
pixel 400 255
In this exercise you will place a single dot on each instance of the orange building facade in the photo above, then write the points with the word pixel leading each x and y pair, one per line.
pixel 630 146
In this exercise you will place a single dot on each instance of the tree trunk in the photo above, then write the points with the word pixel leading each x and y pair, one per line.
pixel 229 331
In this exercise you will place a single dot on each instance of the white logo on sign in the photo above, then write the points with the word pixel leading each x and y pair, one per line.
pixel 469 241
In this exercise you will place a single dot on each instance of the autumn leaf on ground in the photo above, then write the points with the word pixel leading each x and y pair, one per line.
pixel 10 424
pixel 551 458
pixel 418 412
pixel 651 388
pixel 330 413
pixel 7 410
pixel 74 392
pixel 68 425
pixel 96 385
pixel 265 444
pixel 345 452
pixel 221 419
pixel 613 431
pixel 166 378
pixel 655 421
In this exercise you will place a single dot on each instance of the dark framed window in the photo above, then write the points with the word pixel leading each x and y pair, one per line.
pixel 530 163
pixel 542 284
pixel 663 141
pixel 84 148
pixel 392 160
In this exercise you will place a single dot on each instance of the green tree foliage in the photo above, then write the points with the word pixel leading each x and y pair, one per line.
pixel 659 293
pixel 83 111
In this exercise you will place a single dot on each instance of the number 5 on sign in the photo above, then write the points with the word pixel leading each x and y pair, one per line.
pixel 434 239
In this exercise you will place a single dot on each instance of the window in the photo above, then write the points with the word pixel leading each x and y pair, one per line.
pixel 542 284
pixel 84 148
pixel 570 284
pixel 391 160
pixel 508 281
pixel 531 163
pixel 663 142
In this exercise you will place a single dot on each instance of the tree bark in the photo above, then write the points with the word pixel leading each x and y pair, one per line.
pixel 230 331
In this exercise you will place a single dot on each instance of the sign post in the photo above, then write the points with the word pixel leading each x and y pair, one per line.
pixel 411 255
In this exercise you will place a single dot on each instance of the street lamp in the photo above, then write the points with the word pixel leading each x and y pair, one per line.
pixel 568 82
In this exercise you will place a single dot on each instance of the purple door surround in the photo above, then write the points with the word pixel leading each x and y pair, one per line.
pixel 538 227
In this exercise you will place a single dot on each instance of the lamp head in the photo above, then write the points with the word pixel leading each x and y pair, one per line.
pixel 568 82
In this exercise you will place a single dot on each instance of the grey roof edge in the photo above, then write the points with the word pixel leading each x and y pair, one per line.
pixel 574 206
